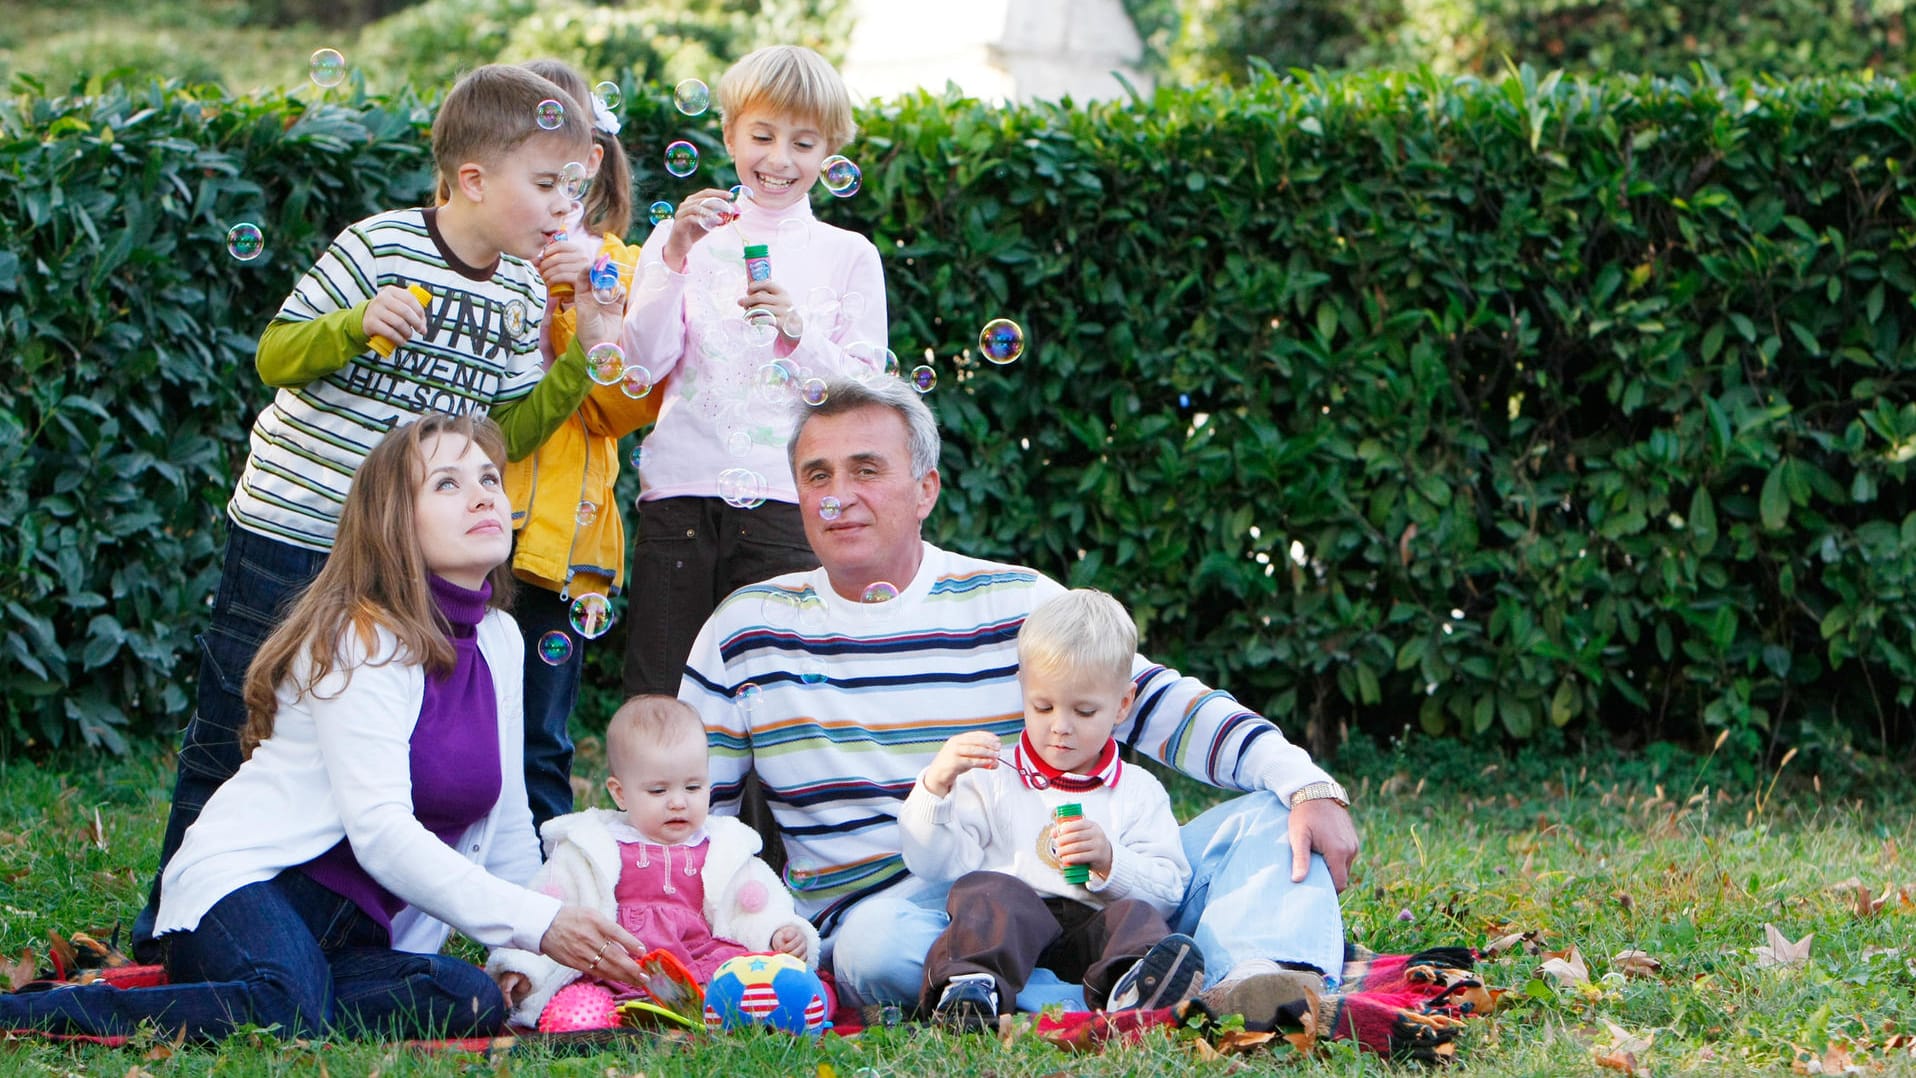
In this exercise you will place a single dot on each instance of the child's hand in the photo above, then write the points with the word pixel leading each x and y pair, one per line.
pixel 568 262
pixel 514 986
pixel 772 296
pixel 978 748
pixel 395 314
pixel 698 215
pixel 1081 841
pixel 599 319
pixel 790 940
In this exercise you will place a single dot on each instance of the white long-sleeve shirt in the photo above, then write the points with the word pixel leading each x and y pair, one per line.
pixel 718 412
pixel 993 821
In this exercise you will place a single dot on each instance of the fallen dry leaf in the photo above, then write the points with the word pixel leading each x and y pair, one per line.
pixel 1637 964
pixel 1779 951
pixel 1622 1040
pixel 21 971
pixel 1531 942
pixel 1566 966
pixel 1621 1061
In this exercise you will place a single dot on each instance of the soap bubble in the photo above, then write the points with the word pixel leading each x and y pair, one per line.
pixel 609 95
pixel 550 114
pixel 761 326
pixel 328 67
pixel 840 176
pixel 573 180
pixel 924 379
pixel 245 241
pixel 591 615
pixel 880 592
pixel 637 456
pixel 605 364
pixel 636 382
pixel 747 696
pixel 813 392
pixel 661 212
pixel 1001 341
pixel 586 513
pixel 829 508
pixel 792 235
pixel 692 97
pixel 681 159
pixel 555 648
pixel 739 444
pixel 773 382
pixel 741 195
pixel 741 488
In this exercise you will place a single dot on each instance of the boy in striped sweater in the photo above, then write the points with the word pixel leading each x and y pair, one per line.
pixel 354 352
pixel 839 685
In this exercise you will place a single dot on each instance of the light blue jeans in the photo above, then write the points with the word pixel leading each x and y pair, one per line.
pixel 1240 905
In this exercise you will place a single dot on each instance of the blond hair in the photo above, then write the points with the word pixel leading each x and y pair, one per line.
pixel 375 576
pixel 608 202
pixel 652 719
pixel 1083 629
pixel 494 110
pixel 789 80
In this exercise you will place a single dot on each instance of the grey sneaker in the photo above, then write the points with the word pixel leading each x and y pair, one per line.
pixel 1170 972
pixel 969 1004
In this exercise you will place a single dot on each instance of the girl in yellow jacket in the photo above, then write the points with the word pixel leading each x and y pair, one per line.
pixel 570 539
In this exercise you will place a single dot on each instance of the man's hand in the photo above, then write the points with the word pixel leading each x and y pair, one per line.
pixel 978 748
pixel 1325 826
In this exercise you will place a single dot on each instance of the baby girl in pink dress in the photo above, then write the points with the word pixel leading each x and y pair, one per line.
pixel 673 877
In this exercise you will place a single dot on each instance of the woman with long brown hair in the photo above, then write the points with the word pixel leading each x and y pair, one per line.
pixel 383 797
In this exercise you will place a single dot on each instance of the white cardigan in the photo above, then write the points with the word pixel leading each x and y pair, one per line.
pixel 339 765
pixel 584 868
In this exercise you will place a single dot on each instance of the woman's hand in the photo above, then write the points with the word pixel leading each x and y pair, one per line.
pixel 593 944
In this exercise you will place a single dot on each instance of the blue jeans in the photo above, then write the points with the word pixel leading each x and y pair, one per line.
pixel 552 691
pixel 258 581
pixel 285 954
pixel 1240 905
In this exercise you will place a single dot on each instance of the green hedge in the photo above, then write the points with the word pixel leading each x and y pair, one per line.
pixel 1381 399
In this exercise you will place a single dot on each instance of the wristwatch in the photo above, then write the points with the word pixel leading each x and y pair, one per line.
pixel 1317 791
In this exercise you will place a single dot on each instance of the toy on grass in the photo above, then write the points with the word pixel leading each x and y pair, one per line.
pixel 771 989
pixel 676 999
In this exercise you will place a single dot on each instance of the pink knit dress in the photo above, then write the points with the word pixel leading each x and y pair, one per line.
pixel 661 899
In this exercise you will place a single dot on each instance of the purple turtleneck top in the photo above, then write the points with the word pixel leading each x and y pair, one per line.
pixel 455 755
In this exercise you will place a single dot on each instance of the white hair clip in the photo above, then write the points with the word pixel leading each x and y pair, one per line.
pixel 602 117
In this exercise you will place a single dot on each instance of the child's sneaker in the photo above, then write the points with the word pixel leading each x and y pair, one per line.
pixel 1169 973
pixel 969 1004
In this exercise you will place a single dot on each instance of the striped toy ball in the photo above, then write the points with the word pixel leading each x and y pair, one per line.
pixel 769 989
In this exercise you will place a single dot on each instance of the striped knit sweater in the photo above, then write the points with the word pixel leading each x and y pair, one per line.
pixel 839 705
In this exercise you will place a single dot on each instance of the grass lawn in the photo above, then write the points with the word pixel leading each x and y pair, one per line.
pixel 1602 853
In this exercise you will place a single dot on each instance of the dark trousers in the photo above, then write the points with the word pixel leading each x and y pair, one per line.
pixel 551 692
pixel 285 954
pixel 259 579
pixel 1000 926
pixel 691 553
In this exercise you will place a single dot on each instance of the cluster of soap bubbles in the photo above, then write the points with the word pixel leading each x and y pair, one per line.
pixel 840 176
pixel 605 364
pixel 742 488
